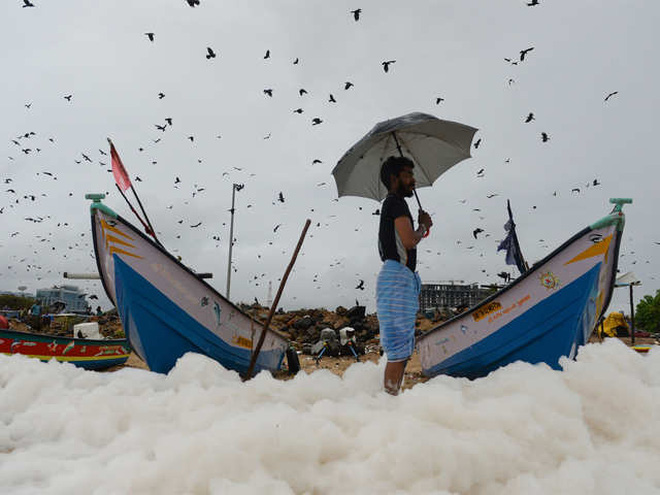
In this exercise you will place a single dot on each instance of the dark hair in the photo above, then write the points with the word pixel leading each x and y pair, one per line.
pixel 393 166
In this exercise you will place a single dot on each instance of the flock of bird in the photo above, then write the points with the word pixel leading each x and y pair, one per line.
pixel 30 143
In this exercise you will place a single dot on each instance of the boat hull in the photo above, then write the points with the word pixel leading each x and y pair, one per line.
pixel 85 353
pixel 543 316
pixel 166 310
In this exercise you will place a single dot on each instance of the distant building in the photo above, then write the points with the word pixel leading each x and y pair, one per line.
pixel 70 295
pixel 450 295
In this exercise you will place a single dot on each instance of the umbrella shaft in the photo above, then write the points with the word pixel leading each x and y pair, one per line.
pixel 417 198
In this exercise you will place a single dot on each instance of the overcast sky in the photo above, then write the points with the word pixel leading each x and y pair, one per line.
pixel 98 53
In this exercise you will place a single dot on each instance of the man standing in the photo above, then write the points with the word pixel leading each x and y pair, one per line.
pixel 398 285
pixel 35 314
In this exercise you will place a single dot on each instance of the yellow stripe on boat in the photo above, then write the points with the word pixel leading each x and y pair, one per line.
pixel 116 240
pixel 109 227
pixel 69 358
pixel 115 249
pixel 595 250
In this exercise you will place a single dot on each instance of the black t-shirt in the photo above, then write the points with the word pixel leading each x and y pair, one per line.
pixel 390 245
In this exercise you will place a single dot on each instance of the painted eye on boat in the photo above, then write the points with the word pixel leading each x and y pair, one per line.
pixel 596 238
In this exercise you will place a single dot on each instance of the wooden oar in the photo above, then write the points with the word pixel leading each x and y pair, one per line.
pixel 255 353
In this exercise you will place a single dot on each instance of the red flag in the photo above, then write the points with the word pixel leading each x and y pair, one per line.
pixel 118 170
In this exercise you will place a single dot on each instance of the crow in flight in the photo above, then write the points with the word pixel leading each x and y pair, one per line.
pixel 150 36
pixel 356 14
pixel 525 52
pixel 386 65
pixel 611 94
pixel 209 53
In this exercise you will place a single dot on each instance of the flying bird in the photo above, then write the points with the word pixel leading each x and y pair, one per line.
pixel 150 36
pixel 529 118
pixel 302 91
pixel 295 62
pixel 611 94
pixel 477 143
pixel 161 127
pixel 298 110
pixel 438 100
pixel 575 190
pixel 268 92
pixel 356 14
pixel 27 3
pixel 525 52
pixel 386 65
pixel 209 53
pixel 477 231
pixel 168 120
pixel 532 3
pixel 544 137
pixel 332 99
pixel 280 197
pixel 267 55
pixel 68 97
pixel 360 285
pixel 196 225
pixel 596 183
pixel 348 85
pixel 316 121
pixel 161 96
pixel 192 3
pixel 316 161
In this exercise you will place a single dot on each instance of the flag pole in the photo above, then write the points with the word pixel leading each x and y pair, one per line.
pixel 151 229
pixel 146 227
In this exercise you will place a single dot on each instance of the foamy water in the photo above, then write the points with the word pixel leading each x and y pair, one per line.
pixel 592 428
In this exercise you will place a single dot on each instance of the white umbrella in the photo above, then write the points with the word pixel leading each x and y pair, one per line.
pixel 432 144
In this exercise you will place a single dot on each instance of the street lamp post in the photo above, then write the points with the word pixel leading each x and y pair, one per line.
pixel 235 187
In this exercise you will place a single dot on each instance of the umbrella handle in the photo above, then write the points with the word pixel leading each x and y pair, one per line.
pixel 426 234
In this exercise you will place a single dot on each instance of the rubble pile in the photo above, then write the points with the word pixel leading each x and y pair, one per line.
pixel 304 326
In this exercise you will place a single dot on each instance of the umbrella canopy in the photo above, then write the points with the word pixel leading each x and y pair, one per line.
pixel 432 144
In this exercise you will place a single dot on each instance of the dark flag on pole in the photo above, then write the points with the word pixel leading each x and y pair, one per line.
pixel 510 244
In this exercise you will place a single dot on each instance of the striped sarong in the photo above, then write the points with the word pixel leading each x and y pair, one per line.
pixel 397 302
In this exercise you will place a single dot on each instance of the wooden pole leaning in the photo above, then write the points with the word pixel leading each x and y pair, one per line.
pixel 255 352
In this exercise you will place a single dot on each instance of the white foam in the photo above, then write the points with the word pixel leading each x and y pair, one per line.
pixel 592 428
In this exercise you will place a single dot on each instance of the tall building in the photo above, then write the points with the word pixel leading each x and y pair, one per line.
pixel 70 295
pixel 451 294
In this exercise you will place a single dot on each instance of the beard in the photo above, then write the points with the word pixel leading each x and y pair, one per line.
pixel 404 191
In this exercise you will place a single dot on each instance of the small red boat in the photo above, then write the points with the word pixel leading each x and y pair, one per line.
pixel 91 354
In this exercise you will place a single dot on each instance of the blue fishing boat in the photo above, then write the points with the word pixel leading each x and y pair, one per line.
pixel 544 315
pixel 166 309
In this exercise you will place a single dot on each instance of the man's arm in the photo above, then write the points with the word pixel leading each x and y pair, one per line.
pixel 409 237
